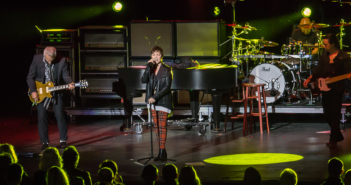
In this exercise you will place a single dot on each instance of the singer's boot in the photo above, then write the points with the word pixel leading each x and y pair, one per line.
pixel 163 157
pixel 159 155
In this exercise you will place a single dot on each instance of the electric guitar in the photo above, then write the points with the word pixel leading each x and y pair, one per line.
pixel 322 83
pixel 44 90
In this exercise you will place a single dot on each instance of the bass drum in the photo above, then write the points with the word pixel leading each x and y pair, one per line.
pixel 280 80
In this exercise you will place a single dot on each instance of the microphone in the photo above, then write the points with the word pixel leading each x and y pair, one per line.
pixel 151 64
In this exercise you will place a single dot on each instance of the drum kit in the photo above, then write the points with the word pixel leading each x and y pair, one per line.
pixel 283 74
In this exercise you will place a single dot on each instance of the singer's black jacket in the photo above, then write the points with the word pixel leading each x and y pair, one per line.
pixel 162 83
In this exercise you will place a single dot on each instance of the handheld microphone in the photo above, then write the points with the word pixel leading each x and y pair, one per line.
pixel 151 64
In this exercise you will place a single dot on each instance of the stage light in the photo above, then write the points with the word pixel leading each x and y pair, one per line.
pixel 253 159
pixel 306 12
pixel 117 6
pixel 216 11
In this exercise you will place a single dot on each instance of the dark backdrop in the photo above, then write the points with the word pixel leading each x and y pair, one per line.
pixel 273 18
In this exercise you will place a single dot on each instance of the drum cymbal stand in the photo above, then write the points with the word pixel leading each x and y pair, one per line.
pixel 341 34
pixel 234 57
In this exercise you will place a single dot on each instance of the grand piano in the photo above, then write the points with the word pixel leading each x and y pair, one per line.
pixel 214 79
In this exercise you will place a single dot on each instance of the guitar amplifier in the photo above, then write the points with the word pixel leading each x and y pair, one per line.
pixel 102 61
pixel 99 87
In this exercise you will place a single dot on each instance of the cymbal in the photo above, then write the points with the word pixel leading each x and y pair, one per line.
pixel 265 43
pixel 346 24
pixel 291 61
pixel 238 26
pixel 241 39
pixel 310 45
pixel 265 53
pixel 314 25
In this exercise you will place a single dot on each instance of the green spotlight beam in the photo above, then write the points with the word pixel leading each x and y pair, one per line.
pixel 253 159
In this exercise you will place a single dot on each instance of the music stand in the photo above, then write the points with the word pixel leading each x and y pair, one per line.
pixel 152 149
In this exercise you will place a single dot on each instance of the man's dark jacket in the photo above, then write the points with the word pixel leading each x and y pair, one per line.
pixel 37 72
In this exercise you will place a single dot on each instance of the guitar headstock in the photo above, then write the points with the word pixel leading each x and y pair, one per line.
pixel 82 84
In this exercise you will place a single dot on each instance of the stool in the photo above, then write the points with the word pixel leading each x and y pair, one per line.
pixel 235 115
pixel 343 120
pixel 259 97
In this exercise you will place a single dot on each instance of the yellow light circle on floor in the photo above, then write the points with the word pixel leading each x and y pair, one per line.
pixel 253 159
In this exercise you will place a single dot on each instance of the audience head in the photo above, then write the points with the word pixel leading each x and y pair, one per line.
pixel 150 173
pixel 188 176
pixel 105 175
pixel 169 172
pixel 113 166
pixel 70 157
pixel 14 173
pixel 288 177
pixel 8 148
pixel 56 176
pixel 5 160
pixel 50 158
pixel 347 179
pixel 76 181
pixel 252 177
pixel 110 164
pixel 335 167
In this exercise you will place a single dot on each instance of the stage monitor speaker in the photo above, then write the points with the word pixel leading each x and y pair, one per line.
pixel 198 39
pixel 145 35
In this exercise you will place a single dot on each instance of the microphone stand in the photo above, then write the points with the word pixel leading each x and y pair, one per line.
pixel 152 149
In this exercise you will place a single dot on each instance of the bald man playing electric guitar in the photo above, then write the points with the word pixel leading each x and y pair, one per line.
pixel 333 67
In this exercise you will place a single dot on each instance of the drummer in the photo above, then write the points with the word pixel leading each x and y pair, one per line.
pixel 305 35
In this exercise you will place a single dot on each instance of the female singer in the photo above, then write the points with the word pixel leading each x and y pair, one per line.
pixel 158 77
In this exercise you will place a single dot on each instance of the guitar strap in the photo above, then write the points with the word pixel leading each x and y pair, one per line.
pixel 51 73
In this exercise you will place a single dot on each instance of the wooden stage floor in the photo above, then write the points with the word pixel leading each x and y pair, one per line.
pixel 99 137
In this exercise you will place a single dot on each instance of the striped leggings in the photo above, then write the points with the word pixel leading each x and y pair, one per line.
pixel 159 118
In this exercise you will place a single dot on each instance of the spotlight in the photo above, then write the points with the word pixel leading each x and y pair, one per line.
pixel 216 11
pixel 306 12
pixel 117 6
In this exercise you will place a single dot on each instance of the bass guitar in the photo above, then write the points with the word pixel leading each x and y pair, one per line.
pixel 322 83
pixel 44 90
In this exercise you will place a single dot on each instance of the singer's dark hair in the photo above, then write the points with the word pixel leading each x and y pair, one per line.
pixel 157 48
pixel 332 39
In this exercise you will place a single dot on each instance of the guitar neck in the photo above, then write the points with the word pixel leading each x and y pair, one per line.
pixel 337 78
pixel 60 87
